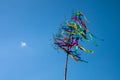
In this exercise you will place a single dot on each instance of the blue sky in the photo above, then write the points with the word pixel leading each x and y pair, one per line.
pixel 35 21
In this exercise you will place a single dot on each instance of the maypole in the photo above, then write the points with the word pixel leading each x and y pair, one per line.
pixel 69 36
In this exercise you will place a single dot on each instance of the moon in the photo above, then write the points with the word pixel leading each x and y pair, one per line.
pixel 23 44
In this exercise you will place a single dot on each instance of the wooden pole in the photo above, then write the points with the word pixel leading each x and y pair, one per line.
pixel 66 64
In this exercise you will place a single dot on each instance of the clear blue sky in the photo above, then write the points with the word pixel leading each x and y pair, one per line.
pixel 34 21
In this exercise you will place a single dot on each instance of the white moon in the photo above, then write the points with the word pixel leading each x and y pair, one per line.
pixel 23 44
